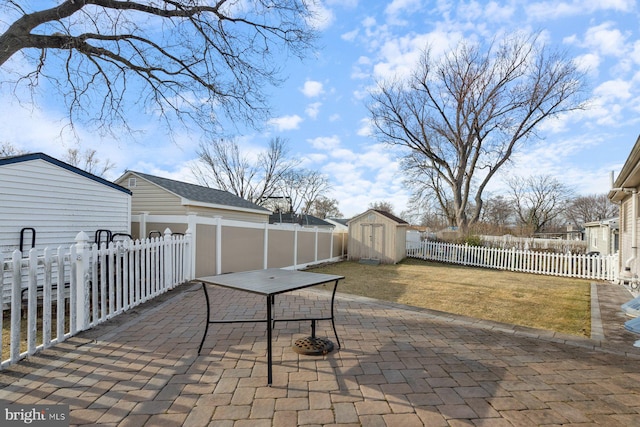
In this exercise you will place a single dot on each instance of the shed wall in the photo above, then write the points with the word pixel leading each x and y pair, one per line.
pixel 377 237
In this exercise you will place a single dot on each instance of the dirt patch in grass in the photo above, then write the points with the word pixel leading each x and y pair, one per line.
pixel 545 302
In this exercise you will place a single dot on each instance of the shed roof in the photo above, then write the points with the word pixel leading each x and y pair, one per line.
pixel 199 193
pixel 41 156
pixel 389 215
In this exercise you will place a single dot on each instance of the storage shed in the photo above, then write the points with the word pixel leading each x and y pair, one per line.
pixel 377 237
pixel 45 202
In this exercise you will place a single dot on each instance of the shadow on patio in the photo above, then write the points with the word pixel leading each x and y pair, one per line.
pixel 398 366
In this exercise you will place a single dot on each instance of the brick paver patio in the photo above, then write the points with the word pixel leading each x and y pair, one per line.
pixel 399 366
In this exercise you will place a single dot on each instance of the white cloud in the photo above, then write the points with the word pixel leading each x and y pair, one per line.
pixel 350 4
pixel 314 159
pixel 589 62
pixel 312 89
pixel 325 143
pixel 313 109
pixel 286 122
pixel 554 10
pixel 496 12
pixel 322 17
pixel 350 35
pixel 399 56
pixel 361 178
pixel 366 128
pixel 613 90
pixel 606 40
pixel 399 7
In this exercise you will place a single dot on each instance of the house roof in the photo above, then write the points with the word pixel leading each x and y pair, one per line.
pixel 389 215
pixel 41 156
pixel 199 193
pixel 629 177
pixel 302 219
pixel 342 221
pixel 609 222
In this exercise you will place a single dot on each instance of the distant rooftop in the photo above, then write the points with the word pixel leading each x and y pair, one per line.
pixel 199 193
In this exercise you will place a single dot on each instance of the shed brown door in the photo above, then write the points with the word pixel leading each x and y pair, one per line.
pixel 373 235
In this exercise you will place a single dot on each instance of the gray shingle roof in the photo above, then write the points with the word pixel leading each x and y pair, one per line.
pixel 199 193
pixel 302 219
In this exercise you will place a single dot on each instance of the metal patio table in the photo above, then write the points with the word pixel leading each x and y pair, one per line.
pixel 269 283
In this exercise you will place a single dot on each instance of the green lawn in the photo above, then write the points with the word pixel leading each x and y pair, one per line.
pixel 546 302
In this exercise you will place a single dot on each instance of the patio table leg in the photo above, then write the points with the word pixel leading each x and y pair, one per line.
pixel 269 349
pixel 333 322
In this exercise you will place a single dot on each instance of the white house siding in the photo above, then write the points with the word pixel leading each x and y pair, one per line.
pixel 629 256
pixel 57 203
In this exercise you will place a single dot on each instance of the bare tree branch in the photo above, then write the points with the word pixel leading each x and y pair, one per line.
pixel 538 200
pixel 222 165
pixel 463 115
pixel 196 61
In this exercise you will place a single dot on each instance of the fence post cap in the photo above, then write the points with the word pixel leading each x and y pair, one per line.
pixel 82 237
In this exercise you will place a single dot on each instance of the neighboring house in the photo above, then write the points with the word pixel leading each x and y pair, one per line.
pixel 625 193
pixel 339 223
pixel 377 237
pixel 303 220
pixel 45 202
pixel 602 236
pixel 154 195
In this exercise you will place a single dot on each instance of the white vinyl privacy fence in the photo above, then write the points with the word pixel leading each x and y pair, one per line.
pixel 51 296
pixel 536 262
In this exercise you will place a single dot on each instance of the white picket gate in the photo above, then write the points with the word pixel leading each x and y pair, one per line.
pixel 568 265
pixel 83 285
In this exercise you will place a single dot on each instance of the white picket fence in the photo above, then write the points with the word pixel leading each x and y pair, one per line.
pixel 62 292
pixel 555 264
pixel 531 243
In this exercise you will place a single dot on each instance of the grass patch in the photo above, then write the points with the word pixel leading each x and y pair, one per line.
pixel 545 302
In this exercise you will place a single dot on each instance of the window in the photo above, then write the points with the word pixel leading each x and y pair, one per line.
pixel 132 182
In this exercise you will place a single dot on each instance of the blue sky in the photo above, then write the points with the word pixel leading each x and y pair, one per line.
pixel 321 108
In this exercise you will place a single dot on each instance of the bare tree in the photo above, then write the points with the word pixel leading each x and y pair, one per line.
pixel 7 149
pixel 194 60
pixel 302 187
pixel 222 165
pixel 383 206
pixel 538 200
pixel 461 116
pixel 498 213
pixel 88 161
pixel 324 207
pixel 593 207
pixel 429 191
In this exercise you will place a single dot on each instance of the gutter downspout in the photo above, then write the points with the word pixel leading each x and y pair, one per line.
pixel 634 230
